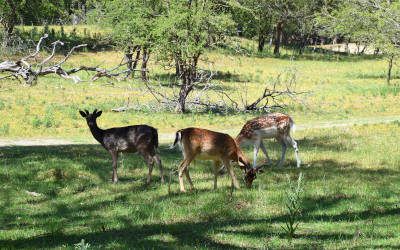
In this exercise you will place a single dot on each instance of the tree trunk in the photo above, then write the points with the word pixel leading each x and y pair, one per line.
pixel 303 43
pixel 389 73
pixel 278 37
pixel 187 86
pixel 177 69
pixel 183 93
pixel 128 59
pixel 188 74
pixel 363 50
pixel 135 62
pixel 10 22
pixel 261 42
pixel 346 48
pixel 145 59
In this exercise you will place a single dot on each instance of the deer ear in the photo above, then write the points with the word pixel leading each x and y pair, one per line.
pixel 260 169
pixel 99 113
pixel 83 114
pixel 87 112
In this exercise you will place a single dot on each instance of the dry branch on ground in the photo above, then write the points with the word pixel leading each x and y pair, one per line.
pixel 28 69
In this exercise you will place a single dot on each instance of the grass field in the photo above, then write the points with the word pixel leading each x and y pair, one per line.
pixel 351 174
pixel 339 88
pixel 351 198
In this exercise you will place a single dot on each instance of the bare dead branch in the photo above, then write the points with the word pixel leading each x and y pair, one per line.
pixel 30 72
pixel 52 52
pixel 37 51
pixel 70 53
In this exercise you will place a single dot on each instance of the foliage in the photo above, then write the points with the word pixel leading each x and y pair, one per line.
pixel 276 19
pixel 293 206
pixel 374 23
pixel 131 22
pixel 184 31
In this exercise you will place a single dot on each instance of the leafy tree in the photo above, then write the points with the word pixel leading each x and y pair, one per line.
pixel 132 24
pixel 274 18
pixel 292 13
pixel 183 32
pixel 13 12
pixel 374 23
pixel 253 18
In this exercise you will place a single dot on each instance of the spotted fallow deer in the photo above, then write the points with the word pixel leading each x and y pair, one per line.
pixel 209 145
pixel 274 125
pixel 137 138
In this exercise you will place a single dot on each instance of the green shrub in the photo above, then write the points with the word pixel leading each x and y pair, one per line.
pixel 36 122
pixel 5 129
pixel 2 104
pixel 293 196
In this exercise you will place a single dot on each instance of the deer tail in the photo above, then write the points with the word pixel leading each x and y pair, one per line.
pixel 178 137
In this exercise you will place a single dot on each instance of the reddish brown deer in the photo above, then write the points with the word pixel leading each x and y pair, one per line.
pixel 138 138
pixel 274 125
pixel 209 145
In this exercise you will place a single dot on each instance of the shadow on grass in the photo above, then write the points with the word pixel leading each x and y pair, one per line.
pixel 309 54
pixel 185 234
pixel 22 166
pixel 217 75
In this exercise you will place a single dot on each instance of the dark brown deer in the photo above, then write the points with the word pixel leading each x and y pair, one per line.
pixel 209 145
pixel 138 138
pixel 274 125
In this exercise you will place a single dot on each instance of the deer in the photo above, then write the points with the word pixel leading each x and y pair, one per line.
pixel 205 144
pixel 142 139
pixel 274 125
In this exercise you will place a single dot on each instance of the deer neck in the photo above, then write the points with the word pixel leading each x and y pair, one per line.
pixel 97 132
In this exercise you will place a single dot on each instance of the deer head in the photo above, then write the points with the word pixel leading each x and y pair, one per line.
pixel 251 174
pixel 90 118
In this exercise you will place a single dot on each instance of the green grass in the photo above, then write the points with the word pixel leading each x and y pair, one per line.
pixel 351 174
pixel 347 88
pixel 351 198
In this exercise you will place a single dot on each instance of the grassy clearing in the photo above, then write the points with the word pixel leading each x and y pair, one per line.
pixel 340 88
pixel 351 198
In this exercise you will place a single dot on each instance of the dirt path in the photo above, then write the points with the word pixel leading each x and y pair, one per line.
pixel 169 137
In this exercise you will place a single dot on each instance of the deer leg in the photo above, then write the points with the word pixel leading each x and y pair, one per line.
pixel 255 153
pixel 188 178
pixel 114 155
pixel 292 142
pixel 157 159
pixel 182 168
pixel 235 182
pixel 216 172
pixel 150 164
pixel 284 148
pixel 265 152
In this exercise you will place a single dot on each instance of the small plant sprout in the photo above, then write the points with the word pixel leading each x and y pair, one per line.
pixel 293 196
pixel 82 245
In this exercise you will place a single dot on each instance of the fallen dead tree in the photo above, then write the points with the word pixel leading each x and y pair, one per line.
pixel 274 95
pixel 29 69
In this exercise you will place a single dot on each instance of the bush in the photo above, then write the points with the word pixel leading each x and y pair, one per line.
pixel 293 197
pixel 5 129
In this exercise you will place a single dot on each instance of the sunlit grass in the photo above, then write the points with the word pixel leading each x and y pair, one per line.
pixel 351 197
pixel 338 90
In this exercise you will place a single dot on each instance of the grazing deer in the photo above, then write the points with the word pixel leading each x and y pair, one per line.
pixel 138 138
pixel 275 125
pixel 209 145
